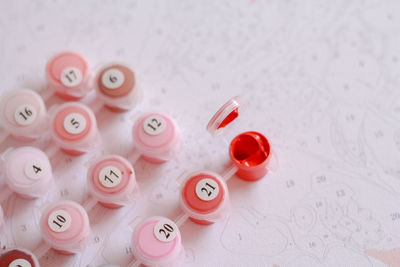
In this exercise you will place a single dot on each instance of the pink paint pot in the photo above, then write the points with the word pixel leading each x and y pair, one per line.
pixel 18 257
pixel 23 114
pixel 156 136
pixel 111 181
pixel 74 128
pixel 117 87
pixel 157 242
pixel 28 172
pixel 65 227
pixel 68 75
pixel 204 197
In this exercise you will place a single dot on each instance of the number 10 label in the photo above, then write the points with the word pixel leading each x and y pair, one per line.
pixel 59 221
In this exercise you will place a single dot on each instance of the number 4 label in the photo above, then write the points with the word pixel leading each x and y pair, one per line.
pixel 165 230
pixel 34 169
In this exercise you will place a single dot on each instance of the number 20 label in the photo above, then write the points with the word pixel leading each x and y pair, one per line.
pixel 207 189
pixel 154 125
pixel 59 221
pixel 165 230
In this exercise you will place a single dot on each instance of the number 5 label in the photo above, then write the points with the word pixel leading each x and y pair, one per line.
pixel 207 189
pixel 165 230
pixel 74 123
pixel 154 125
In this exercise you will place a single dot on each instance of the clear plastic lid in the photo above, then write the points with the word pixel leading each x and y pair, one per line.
pixel 28 171
pixel 157 242
pixel 225 116
pixel 111 180
pixel 117 86
pixel 74 127
pixel 65 226
pixel 204 197
pixel 23 114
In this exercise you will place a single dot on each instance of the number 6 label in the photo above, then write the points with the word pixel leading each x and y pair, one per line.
pixel 207 189
pixel 165 230
pixel 154 125
pixel 59 221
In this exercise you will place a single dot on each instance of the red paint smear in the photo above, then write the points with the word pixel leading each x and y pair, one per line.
pixel 233 115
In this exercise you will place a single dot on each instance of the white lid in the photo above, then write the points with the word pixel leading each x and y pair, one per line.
pixel 225 116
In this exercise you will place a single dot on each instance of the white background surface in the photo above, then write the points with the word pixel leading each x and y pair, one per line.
pixel 322 79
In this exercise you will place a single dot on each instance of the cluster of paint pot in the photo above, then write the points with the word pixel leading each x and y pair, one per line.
pixel 65 227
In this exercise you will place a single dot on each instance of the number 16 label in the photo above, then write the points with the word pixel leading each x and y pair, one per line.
pixel 207 189
pixel 165 230
pixel 25 115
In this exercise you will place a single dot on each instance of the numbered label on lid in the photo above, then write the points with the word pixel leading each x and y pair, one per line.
pixel 34 169
pixel 59 221
pixel 113 78
pixel 71 76
pixel 25 115
pixel 154 125
pixel 110 176
pixel 20 263
pixel 165 230
pixel 74 123
pixel 207 189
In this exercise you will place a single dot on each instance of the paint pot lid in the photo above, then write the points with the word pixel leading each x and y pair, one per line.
pixel 224 117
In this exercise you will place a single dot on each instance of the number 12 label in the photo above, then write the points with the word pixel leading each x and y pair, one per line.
pixel 207 189
pixel 154 125
pixel 165 230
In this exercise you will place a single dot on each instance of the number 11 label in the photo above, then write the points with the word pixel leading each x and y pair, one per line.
pixel 207 189
pixel 59 221
pixel 110 176
pixel 165 230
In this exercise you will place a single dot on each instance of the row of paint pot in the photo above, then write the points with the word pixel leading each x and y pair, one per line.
pixel 23 113
pixel 156 241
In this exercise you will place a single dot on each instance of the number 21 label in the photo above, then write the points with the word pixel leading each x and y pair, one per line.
pixel 165 230
pixel 207 189
pixel 59 221
pixel 154 125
